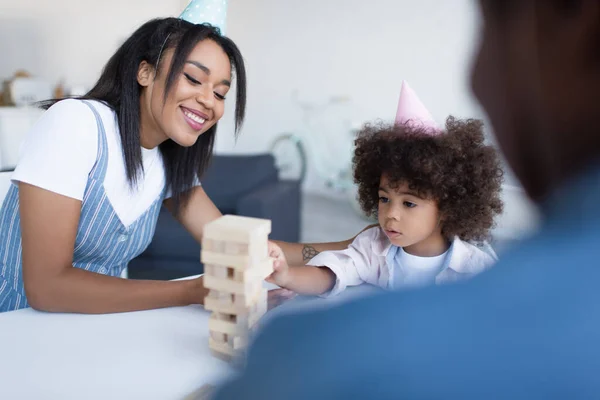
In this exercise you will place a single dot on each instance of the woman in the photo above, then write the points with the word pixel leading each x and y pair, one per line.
pixel 94 172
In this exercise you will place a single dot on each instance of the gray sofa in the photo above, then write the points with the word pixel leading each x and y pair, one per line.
pixel 239 185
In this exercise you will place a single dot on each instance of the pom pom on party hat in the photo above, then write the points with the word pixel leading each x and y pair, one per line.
pixel 213 12
pixel 411 111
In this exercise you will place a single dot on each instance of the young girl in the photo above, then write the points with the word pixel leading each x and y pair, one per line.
pixel 433 191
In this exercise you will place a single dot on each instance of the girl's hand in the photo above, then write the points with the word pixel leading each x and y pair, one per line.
pixel 281 269
pixel 279 296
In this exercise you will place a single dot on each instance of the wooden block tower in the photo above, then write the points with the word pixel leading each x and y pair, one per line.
pixel 236 261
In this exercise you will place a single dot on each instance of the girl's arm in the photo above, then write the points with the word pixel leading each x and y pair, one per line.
pixel 332 271
pixel 306 280
pixel 49 224
pixel 201 210
pixel 300 254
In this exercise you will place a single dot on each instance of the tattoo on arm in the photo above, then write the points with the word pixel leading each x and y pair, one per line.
pixel 308 252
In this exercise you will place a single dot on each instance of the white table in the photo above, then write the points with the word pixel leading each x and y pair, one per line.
pixel 159 354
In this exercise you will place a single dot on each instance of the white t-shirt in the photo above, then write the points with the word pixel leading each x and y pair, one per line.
pixel 416 270
pixel 60 150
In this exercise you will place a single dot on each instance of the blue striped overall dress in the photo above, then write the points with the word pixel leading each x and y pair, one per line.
pixel 102 245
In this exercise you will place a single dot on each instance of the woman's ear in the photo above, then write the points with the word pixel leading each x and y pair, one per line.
pixel 145 74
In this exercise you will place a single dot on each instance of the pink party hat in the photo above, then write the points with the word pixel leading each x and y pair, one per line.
pixel 411 111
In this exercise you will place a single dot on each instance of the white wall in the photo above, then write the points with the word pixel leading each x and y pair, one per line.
pixel 319 48
pixel 363 49
pixel 70 39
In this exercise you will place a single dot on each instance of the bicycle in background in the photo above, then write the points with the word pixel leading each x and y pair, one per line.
pixel 326 142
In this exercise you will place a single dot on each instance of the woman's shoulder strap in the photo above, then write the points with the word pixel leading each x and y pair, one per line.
pixel 99 168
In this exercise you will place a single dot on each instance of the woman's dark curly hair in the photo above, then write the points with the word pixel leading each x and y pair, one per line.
pixel 456 169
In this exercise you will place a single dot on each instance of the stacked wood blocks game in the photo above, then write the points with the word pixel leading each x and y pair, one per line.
pixel 236 262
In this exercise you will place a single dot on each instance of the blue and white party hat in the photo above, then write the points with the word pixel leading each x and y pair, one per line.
pixel 213 12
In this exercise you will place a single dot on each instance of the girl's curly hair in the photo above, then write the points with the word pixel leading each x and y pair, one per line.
pixel 456 169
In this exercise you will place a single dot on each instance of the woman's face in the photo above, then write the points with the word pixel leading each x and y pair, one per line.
pixel 197 98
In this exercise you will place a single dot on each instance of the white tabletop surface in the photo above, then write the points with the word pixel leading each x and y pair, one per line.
pixel 159 354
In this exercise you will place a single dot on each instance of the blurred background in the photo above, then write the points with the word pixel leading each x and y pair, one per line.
pixel 317 71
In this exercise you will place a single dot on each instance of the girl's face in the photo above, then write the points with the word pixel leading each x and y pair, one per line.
pixel 196 101
pixel 409 221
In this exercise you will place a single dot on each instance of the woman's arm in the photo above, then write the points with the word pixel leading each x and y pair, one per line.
pixel 199 211
pixel 49 226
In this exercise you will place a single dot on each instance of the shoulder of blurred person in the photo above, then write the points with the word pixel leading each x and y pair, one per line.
pixel 527 328
pixel 458 341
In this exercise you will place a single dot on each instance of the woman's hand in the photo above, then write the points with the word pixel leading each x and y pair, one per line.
pixel 196 291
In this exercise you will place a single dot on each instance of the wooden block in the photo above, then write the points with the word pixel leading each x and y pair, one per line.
pixel 218 271
pixel 240 304
pixel 260 271
pixel 257 315
pixel 239 275
pixel 255 303
pixel 238 342
pixel 238 327
pixel 208 244
pixel 225 285
pixel 221 350
pixel 227 317
pixel 239 255
pixel 252 281
pixel 255 273
pixel 219 337
pixel 228 328
pixel 259 247
pixel 244 322
pixel 241 300
pixel 224 305
pixel 234 249
pixel 216 306
pixel 221 356
pixel 240 261
pixel 218 246
pixel 236 228
pixel 247 301
pixel 219 298
pixel 222 297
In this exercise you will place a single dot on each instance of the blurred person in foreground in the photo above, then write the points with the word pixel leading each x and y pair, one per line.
pixel 525 329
